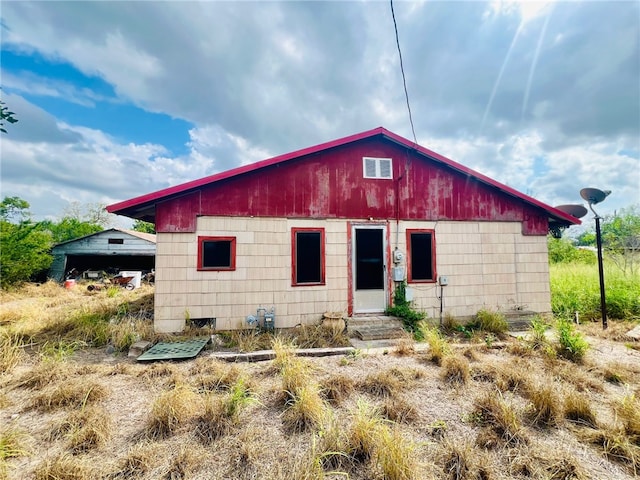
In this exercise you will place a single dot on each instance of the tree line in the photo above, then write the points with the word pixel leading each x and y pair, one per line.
pixel 620 242
pixel 25 245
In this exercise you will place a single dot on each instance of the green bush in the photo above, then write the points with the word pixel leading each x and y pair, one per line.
pixel 403 309
pixel 562 250
pixel 572 344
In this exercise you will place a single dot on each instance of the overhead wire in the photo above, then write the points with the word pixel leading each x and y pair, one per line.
pixel 404 80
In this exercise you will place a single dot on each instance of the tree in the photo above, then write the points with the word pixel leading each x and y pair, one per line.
pixel 6 115
pixel 94 213
pixel 69 228
pixel 144 227
pixel 24 246
pixel 621 238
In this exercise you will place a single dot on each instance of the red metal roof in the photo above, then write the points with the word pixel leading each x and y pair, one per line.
pixel 147 201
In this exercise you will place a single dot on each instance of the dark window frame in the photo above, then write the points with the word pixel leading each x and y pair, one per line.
pixel 232 253
pixel 294 255
pixel 434 275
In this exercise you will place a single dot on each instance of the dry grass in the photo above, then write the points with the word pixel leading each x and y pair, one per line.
pixel 47 372
pixel 12 445
pixel 405 346
pixel 337 388
pixel 363 433
pixel 546 408
pixel 305 410
pixel 11 352
pixel 65 467
pixel 577 408
pixel 438 345
pixel 459 459
pixel 498 413
pixel 381 384
pixel 170 410
pixel 395 455
pixel 628 411
pixel 399 410
pixel 455 370
pixel 615 445
pixel 139 460
pixel 185 462
pixel 84 430
pixel 321 336
pixel 74 394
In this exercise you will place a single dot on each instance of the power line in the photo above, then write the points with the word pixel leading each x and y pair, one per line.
pixel 404 80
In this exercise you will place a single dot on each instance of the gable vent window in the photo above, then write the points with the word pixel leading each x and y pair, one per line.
pixel 377 167
pixel 116 241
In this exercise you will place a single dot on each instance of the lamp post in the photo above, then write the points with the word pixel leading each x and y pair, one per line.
pixel 595 196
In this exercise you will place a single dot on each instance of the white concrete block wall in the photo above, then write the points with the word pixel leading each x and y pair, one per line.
pixel 489 265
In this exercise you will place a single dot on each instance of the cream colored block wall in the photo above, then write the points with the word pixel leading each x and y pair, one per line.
pixel 262 276
pixel 488 264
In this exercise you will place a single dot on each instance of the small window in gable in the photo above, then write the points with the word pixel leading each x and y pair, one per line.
pixel 421 257
pixel 216 253
pixel 307 256
pixel 377 167
pixel 115 241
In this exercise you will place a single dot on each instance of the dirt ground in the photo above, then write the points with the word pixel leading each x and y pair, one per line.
pixel 441 417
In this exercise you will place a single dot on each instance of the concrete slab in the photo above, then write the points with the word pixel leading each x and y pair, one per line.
pixel 263 355
pixel 635 333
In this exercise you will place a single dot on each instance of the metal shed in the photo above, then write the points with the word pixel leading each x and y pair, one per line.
pixel 112 250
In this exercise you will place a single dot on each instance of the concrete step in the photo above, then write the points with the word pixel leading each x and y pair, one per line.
pixel 375 327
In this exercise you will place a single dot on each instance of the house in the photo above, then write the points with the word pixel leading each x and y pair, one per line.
pixel 114 249
pixel 333 228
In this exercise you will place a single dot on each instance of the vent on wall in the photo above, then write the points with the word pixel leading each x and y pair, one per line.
pixel 116 241
pixel 377 167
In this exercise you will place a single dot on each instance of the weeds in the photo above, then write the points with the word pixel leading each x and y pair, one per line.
pixel 572 344
pixel 64 467
pixel 10 352
pixel 337 388
pixel 305 409
pixel 74 394
pixel 455 370
pixel 12 445
pixel 494 411
pixel 546 407
pixel 577 408
pixel 438 345
pixel 139 460
pixel 490 321
pixel 170 410
pixel 396 455
pixel 398 410
pixel 538 332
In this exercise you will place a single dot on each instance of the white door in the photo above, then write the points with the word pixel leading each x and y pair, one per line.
pixel 369 269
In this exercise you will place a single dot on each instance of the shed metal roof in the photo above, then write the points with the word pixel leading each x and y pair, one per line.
pixel 149 237
pixel 143 207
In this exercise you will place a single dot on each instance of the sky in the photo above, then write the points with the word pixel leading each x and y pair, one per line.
pixel 116 99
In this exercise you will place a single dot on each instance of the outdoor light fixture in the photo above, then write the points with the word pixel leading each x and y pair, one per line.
pixel 595 196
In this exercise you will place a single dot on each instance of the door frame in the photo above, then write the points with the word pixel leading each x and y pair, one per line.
pixel 351 264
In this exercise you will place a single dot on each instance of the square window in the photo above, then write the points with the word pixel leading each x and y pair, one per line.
pixel 307 256
pixel 421 256
pixel 377 168
pixel 216 253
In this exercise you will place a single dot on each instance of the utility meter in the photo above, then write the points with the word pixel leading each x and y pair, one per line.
pixel 398 256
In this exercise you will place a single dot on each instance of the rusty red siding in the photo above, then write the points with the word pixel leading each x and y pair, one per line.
pixel 330 184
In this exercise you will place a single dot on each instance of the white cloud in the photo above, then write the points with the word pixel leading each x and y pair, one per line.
pixel 257 79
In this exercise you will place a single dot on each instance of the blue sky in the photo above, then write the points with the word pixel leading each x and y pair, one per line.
pixel 118 99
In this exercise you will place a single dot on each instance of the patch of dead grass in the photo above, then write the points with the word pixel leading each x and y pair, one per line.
pixel 170 410
pixel 74 393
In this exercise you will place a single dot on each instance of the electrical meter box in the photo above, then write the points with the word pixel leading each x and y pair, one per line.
pixel 398 274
